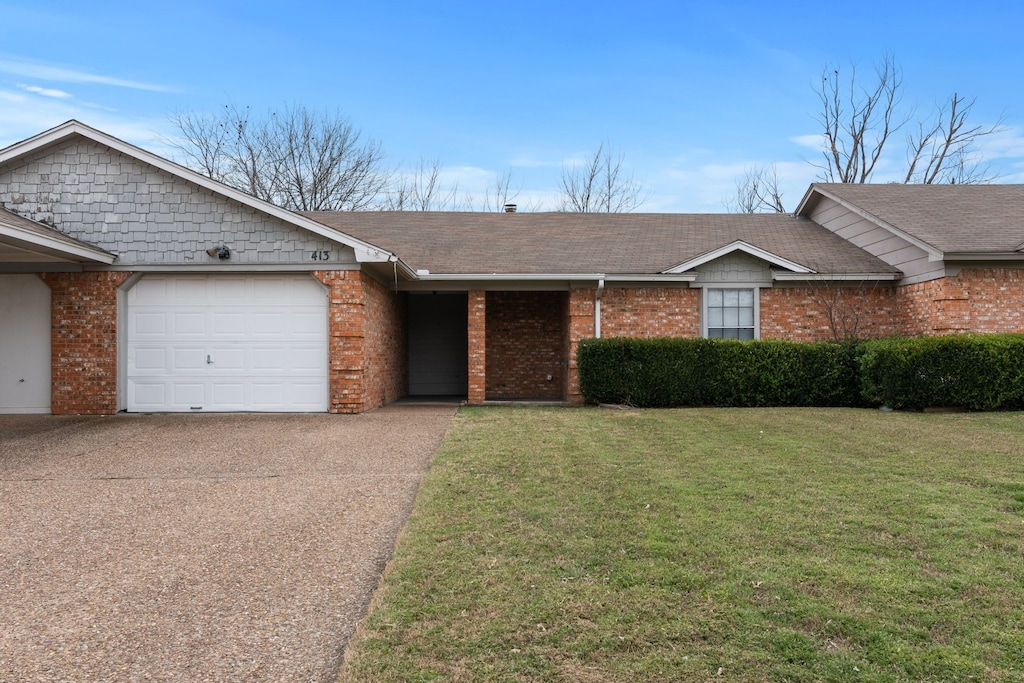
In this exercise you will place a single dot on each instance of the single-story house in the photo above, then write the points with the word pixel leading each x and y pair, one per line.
pixel 128 282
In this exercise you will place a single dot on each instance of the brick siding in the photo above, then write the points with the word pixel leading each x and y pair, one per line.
pixel 526 344
pixel 83 308
pixel 477 346
pixel 385 344
pixel 366 342
pixel 982 300
pixel 802 313
pixel 650 312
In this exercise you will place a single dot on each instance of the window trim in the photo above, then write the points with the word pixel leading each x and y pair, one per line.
pixel 717 285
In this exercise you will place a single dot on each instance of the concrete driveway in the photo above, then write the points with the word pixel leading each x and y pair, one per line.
pixel 199 547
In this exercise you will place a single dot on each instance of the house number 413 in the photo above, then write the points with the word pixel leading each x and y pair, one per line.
pixel 320 255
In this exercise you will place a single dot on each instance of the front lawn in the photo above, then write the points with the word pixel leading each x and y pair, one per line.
pixel 728 544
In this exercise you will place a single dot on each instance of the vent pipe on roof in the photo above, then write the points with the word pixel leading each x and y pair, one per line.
pixel 510 208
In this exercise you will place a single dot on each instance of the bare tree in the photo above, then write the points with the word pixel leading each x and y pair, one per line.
pixel 600 185
pixel 500 192
pixel 858 121
pixel 758 192
pixel 421 190
pixel 947 149
pixel 296 158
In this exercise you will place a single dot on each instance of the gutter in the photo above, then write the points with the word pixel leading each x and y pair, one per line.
pixel 597 309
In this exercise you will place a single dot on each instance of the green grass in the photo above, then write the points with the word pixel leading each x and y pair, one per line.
pixel 726 544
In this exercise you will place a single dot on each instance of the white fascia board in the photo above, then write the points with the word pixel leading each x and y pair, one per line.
pixel 365 252
pixel 573 277
pixel 30 240
pixel 933 253
pixel 831 277
pixel 739 245
pixel 984 256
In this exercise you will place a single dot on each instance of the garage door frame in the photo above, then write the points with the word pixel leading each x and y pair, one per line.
pixel 123 328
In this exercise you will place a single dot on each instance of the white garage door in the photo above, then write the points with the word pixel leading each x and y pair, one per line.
pixel 227 343
pixel 24 344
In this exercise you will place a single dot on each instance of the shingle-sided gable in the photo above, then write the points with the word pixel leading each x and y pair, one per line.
pixel 100 189
pixel 142 213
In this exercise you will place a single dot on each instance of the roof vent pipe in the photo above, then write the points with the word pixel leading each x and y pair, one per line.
pixel 510 208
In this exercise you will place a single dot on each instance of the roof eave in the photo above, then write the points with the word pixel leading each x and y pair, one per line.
pixel 32 241
pixel 835 277
pixel 576 277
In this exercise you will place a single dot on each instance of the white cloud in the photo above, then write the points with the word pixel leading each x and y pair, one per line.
pixel 815 141
pixel 45 92
pixel 45 72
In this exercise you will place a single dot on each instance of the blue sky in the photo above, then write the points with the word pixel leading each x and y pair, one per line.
pixel 691 93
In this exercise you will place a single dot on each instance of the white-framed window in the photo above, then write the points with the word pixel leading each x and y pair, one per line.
pixel 731 313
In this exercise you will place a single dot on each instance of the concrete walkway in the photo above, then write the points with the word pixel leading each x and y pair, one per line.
pixel 199 547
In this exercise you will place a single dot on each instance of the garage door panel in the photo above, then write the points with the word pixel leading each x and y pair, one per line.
pixel 228 323
pixel 270 324
pixel 150 359
pixel 265 338
pixel 147 395
pixel 185 393
pixel 149 323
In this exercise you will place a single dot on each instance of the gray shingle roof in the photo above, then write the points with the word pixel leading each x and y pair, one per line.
pixel 951 218
pixel 625 243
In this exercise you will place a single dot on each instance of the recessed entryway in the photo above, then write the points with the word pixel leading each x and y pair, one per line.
pixel 438 344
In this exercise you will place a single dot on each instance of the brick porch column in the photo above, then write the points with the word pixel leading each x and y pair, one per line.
pixel 83 341
pixel 477 332
pixel 580 326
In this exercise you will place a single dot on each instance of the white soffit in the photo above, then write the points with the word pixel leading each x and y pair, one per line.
pixel 739 245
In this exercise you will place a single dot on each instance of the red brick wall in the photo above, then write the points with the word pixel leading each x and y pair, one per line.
pixel 982 300
pixel 650 312
pixel 580 311
pixel 386 361
pixel 801 313
pixel 525 344
pixel 366 342
pixel 83 342
pixel 477 342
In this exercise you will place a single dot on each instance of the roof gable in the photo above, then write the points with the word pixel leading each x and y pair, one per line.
pixel 941 219
pixel 741 246
pixel 364 251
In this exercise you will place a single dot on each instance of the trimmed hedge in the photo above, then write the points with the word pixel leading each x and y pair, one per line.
pixel 717 372
pixel 978 372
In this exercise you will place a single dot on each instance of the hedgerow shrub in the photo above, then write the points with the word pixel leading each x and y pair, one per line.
pixel 718 372
pixel 978 372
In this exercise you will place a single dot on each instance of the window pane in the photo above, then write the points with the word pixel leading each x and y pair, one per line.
pixel 746 334
pixel 746 297
pixel 715 333
pixel 714 297
pixel 731 317
pixel 731 297
pixel 747 317
pixel 715 317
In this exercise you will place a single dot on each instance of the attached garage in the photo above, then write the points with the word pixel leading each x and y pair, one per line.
pixel 24 344
pixel 226 342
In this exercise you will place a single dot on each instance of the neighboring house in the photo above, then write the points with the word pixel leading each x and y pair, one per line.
pixel 128 282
